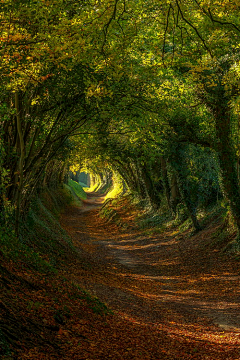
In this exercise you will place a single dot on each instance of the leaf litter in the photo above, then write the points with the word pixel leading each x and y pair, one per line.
pixel 126 295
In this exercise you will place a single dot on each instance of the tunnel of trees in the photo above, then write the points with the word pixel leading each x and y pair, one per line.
pixel 139 100
pixel 145 93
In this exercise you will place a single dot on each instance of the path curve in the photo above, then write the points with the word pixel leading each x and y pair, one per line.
pixel 171 283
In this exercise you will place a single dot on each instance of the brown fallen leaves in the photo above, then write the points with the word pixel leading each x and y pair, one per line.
pixel 166 293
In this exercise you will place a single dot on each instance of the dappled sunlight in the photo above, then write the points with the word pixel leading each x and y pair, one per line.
pixel 138 246
pixel 166 262
pixel 190 332
pixel 200 333
pixel 162 285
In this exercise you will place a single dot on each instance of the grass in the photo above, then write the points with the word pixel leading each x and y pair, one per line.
pixel 116 189
pixel 82 184
pixel 96 305
pixel 42 243
pixel 77 188
pixel 76 201
pixel 152 221
pixel 43 246
pixel 14 249
pixel 113 209
pixel 32 270
pixel 42 231
pixel 100 188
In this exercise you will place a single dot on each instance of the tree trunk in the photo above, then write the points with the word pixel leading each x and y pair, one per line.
pixel 181 170
pixel 150 186
pixel 192 210
pixel 218 101
pixel 227 160
pixel 21 151
pixel 166 182
pixel 175 193
pixel 2 208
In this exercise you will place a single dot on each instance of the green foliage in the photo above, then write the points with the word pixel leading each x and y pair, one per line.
pixel 153 221
pixel 15 250
pixel 77 188
pixel 147 84
pixel 82 185
pixel 117 188
pixel 199 171
pixel 74 198
pixel 42 230
pixel 41 241
pixel 109 213
pixel 97 306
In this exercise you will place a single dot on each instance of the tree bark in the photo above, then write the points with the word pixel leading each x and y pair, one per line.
pixel 227 160
pixel 21 151
pixel 180 169
pixel 166 182
pixel 175 193
pixel 218 101
pixel 150 186
pixel 2 208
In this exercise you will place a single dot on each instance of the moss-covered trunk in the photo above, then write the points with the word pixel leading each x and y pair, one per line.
pixel 21 153
pixel 2 210
pixel 181 172
pixel 165 181
pixel 175 193
pixel 227 159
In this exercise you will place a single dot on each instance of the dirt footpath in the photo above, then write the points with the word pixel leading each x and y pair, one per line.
pixel 175 286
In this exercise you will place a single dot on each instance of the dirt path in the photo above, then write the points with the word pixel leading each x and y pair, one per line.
pixel 174 285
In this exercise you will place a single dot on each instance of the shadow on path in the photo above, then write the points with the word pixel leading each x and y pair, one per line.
pixel 174 284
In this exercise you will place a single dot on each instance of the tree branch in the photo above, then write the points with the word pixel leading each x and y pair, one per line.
pixel 194 28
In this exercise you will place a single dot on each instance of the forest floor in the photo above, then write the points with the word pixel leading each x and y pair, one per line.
pixel 172 295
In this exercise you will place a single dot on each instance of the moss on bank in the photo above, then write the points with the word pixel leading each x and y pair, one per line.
pixel 77 189
pixel 42 242
pixel 35 297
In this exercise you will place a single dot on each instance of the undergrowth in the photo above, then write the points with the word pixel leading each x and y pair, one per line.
pixel 42 233
pixel 114 209
pixel 30 284
pixel 96 305
pixel 116 190
pixel 77 188
pixel 42 242
pixel 155 221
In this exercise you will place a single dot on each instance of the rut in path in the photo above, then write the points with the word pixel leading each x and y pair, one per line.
pixel 171 283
